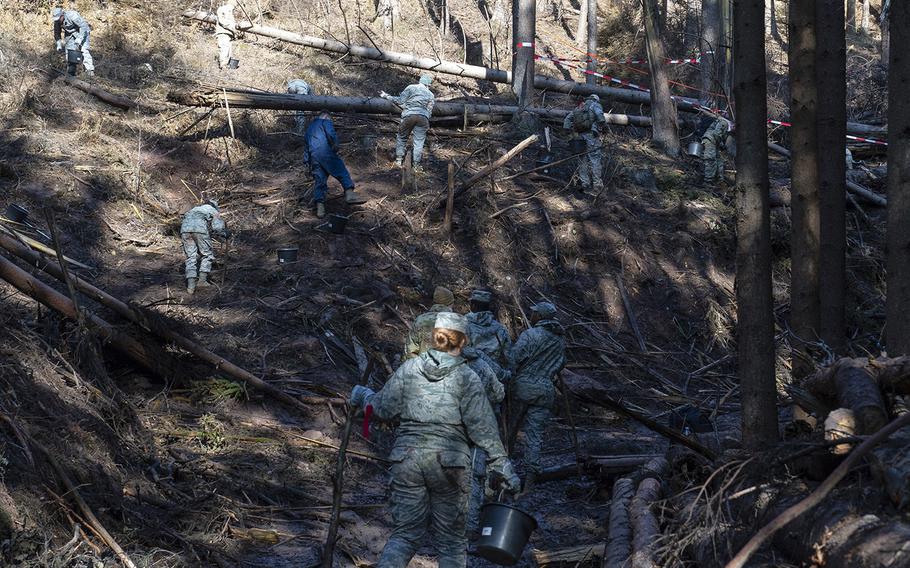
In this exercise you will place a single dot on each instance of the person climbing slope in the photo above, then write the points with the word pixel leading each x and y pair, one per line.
pixel 321 156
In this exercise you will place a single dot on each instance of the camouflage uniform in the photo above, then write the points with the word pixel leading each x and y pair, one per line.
pixel 225 30
pixel 299 87
pixel 195 232
pixel 490 336
pixel 420 338
pixel 590 167
pixel 713 140
pixel 538 355
pixel 481 364
pixel 73 34
pixel 442 409
pixel 416 102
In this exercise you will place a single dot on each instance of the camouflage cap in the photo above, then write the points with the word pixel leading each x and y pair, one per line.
pixel 481 296
pixel 443 296
pixel 451 320
pixel 544 309
pixel 426 79
pixel 56 13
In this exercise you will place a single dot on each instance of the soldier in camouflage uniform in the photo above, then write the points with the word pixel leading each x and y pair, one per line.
pixel 442 409
pixel 537 358
pixel 712 141
pixel 72 33
pixel 487 334
pixel 588 121
pixel 196 233
pixel 485 368
pixel 419 338
pixel 299 87
pixel 416 103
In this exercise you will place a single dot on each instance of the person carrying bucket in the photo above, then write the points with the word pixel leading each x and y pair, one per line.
pixel 537 358
pixel 586 122
pixel 442 410
pixel 321 156
pixel 71 33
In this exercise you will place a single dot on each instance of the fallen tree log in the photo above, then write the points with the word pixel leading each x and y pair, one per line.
pixel 857 190
pixel 238 98
pixel 619 535
pixel 604 465
pixel 571 555
pixel 850 381
pixel 220 364
pixel 645 528
pixel 142 353
pixel 438 66
pixel 109 98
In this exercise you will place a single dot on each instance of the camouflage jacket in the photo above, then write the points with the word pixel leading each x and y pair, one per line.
pixel 441 405
pixel 415 99
pixel 489 336
pixel 224 21
pixel 202 219
pixel 539 353
pixel 481 364
pixel 716 133
pixel 420 338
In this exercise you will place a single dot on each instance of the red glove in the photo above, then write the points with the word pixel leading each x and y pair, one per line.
pixel 367 414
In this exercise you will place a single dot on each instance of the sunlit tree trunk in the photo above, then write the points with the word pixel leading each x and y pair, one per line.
pixel 581 32
pixel 865 24
pixel 831 76
pixel 665 132
pixel 755 315
pixel 710 48
pixel 804 204
pixel 524 13
pixel 592 38
pixel 897 326
pixel 885 23
pixel 772 10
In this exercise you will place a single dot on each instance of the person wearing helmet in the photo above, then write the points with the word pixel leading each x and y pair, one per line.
pixel 441 408
pixel 587 122
pixel 225 32
pixel 537 358
pixel 420 336
pixel 199 223
pixel 416 102
pixel 71 33
pixel 299 87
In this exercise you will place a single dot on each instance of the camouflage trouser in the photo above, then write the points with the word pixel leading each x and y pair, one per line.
pixel 417 124
pixel 478 484
pixel 532 402
pixel 590 170
pixel 712 160
pixel 428 488
pixel 224 50
pixel 300 123
pixel 194 246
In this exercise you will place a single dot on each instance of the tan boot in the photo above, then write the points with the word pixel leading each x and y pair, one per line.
pixel 320 209
pixel 204 280
pixel 191 285
pixel 352 198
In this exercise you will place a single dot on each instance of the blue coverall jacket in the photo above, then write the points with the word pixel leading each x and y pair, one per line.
pixel 324 161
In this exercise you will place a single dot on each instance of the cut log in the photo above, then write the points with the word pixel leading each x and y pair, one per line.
pixel 500 162
pixel 855 388
pixel 570 556
pixel 143 353
pixel 603 465
pixel 645 528
pixel 619 540
pixel 109 98
pixel 221 364
pixel 438 66
pixel 238 98
pixel 840 423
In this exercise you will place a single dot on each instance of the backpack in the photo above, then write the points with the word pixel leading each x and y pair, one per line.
pixel 703 125
pixel 584 119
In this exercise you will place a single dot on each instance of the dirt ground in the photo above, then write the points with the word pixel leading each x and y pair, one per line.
pixel 191 469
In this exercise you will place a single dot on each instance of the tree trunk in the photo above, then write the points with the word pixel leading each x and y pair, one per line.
pixel 885 23
pixel 662 17
pixel 851 15
pixel 619 535
pixel 592 39
pixel 726 43
pixel 665 132
pixel 898 233
pixel 710 47
pixel 831 77
pixel 865 24
pixel 645 527
pixel 804 237
pixel 581 32
pixel 772 10
pixel 524 14
pixel 755 332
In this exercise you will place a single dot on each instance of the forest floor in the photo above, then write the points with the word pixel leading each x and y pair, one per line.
pixel 195 470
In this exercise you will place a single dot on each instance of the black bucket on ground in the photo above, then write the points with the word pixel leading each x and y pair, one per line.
pixel 288 254
pixel 504 533
pixel 73 56
pixel 233 63
pixel 337 223
pixel 577 145
pixel 15 213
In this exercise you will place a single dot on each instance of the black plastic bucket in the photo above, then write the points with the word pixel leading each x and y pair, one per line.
pixel 233 63
pixel 73 56
pixel 15 213
pixel 288 254
pixel 504 533
pixel 577 145
pixel 337 223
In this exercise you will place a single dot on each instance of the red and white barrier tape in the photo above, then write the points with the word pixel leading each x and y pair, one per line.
pixel 849 137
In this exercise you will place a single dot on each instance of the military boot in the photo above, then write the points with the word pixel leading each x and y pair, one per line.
pixel 320 209
pixel 191 285
pixel 529 483
pixel 204 280
pixel 352 198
